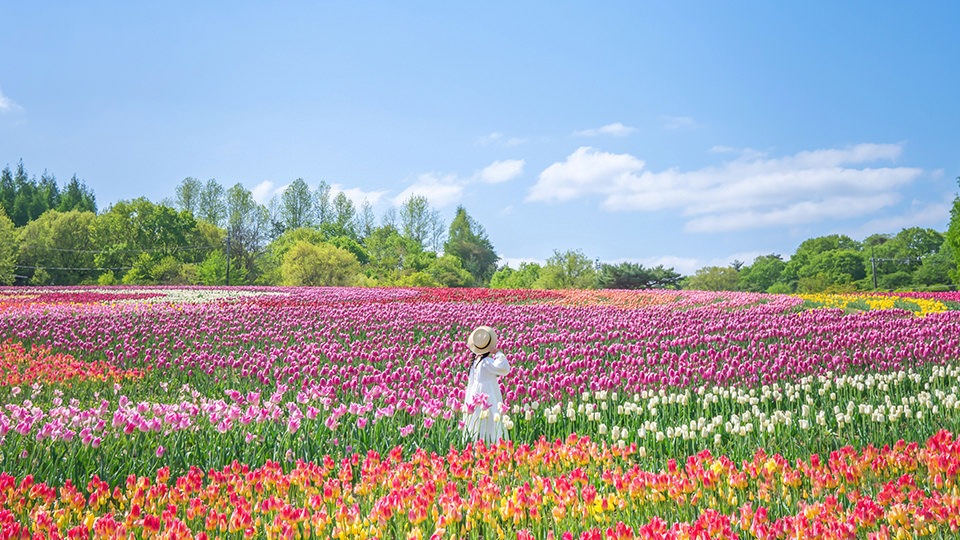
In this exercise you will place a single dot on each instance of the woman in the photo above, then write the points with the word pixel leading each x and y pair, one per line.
pixel 483 401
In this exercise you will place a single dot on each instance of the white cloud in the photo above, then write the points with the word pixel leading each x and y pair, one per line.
pixel 440 190
pixel 616 129
pixel 586 171
pixel 514 262
pixel 793 214
pixel 677 122
pixel 357 195
pixel 683 265
pixel 8 105
pixel 748 192
pixel 501 171
pixel 264 191
pixel 447 189
pixel 688 266
pixel 746 257
pixel 933 215
pixel 500 140
pixel 743 153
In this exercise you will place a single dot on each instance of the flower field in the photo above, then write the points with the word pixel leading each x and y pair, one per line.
pixel 299 413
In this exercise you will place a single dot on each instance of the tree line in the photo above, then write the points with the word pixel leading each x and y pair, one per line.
pixel 208 234
pixel 915 258
pixel 25 198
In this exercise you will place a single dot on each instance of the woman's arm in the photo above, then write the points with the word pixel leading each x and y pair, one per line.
pixel 498 364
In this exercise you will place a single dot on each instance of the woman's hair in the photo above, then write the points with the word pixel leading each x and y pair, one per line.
pixel 478 357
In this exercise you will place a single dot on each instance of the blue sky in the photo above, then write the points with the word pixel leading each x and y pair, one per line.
pixel 682 133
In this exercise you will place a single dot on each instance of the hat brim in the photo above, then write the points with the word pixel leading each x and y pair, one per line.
pixel 490 346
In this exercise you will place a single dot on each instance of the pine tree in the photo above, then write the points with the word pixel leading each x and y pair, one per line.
pixel 468 241
pixel 23 202
pixel 8 191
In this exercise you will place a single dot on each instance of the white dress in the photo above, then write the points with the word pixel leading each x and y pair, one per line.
pixel 483 379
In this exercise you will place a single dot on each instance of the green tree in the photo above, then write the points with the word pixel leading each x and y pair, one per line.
pixel 917 242
pixel 211 206
pixel 59 244
pixel 762 274
pixel 351 245
pixel 896 280
pixel 188 195
pixel 438 231
pixel 169 271
pixel 905 251
pixel 448 271
pixel 935 268
pixel 389 218
pixel 296 207
pixel 366 220
pixel 342 220
pixel 8 249
pixel 322 205
pixel 952 237
pixel 246 228
pixel 131 228
pixel 468 241
pixel 23 208
pixel 415 279
pixel 154 269
pixel 816 283
pixel 525 277
pixel 77 196
pixel 8 191
pixel 274 219
pixel 810 248
pixel 208 236
pixel 664 278
pixel 629 275
pixel 839 266
pixel 48 192
pixel 570 269
pixel 388 250
pixel 713 278
pixel 213 269
pixel 307 264
pixel 876 239
pixel 279 247
pixel 415 220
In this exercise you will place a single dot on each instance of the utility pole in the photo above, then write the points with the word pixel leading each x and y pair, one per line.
pixel 228 263
pixel 873 263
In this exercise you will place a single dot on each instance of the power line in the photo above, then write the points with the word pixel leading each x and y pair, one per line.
pixel 71 268
pixel 111 251
pixel 904 261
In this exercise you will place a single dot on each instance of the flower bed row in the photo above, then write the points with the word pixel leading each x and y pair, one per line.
pixel 571 488
pixel 22 366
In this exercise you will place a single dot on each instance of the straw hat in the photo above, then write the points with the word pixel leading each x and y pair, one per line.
pixel 482 340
